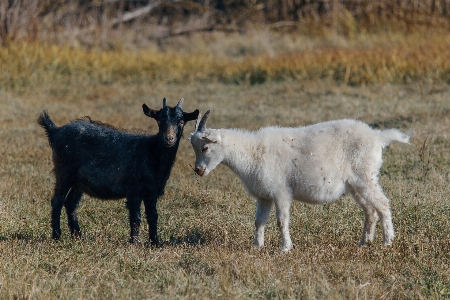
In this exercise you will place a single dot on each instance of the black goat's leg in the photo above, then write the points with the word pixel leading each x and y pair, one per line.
pixel 71 204
pixel 57 204
pixel 134 207
pixel 152 219
pixel 58 200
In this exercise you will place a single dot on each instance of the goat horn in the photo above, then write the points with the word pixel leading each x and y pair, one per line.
pixel 164 102
pixel 180 102
pixel 198 121
pixel 201 125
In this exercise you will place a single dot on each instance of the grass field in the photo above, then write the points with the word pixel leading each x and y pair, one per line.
pixel 254 58
pixel 207 224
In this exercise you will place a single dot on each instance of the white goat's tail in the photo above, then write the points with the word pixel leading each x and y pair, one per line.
pixel 390 135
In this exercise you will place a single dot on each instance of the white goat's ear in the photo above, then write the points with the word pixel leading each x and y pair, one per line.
pixel 211 137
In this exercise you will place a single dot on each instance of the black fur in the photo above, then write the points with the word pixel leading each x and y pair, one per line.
pixel 107 163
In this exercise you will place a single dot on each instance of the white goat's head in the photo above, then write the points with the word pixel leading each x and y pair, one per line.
pixel 207 147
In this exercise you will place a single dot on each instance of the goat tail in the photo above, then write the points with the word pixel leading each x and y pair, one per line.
pixel 45 122
pixel 390 135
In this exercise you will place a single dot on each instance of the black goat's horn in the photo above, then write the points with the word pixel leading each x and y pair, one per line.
pixel 201 124
pixel 197 121
pixel 180 102
pixel 164 102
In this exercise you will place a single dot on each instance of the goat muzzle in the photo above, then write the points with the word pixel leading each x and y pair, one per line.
pixel 199 170
pixel 170 136
pixel 169 140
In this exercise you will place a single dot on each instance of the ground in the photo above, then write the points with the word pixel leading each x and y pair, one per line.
pixel 207 224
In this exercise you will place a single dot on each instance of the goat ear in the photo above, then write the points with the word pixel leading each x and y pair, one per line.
pixel 148 111
pixel 164 102
pixel 191 116
pixel 197 121
pixel 211 137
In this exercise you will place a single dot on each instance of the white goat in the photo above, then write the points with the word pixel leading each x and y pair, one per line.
pixel 315 164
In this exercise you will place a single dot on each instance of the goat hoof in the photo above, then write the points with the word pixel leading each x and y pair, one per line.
pixel 134 240
pixel 76 234
pixel 287 248
pixel 56 236
pixel 153 244
pixel 365 243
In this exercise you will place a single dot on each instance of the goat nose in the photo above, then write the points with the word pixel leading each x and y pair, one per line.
pixel 199 170
pixel 169 138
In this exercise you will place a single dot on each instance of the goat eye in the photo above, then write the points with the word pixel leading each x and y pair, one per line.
pixel 205 149
pixel 181 123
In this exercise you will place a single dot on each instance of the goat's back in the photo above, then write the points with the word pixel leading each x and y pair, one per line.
pixel 85 140
pixel 334 136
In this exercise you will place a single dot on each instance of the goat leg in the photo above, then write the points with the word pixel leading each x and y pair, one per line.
pixel 134 207
pixel 57 204
pixel 152 219
pixel 72 200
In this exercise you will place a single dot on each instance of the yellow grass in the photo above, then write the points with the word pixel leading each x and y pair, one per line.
pixel 365 60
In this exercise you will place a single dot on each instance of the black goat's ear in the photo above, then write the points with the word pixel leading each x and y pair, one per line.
pixel 191 116
pixel 148 111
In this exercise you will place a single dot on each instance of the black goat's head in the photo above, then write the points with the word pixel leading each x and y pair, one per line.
pixel 171 121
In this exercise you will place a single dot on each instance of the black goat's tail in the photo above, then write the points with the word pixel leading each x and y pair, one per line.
pixel 45 122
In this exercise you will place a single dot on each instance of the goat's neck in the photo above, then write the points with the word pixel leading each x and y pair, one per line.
pixel 241 151
pixel 167 158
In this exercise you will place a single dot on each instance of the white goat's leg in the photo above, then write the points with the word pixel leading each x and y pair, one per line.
pixel 376 198
pixel 370 219
pixel 370 222
pixel 263 208
pixel 283 205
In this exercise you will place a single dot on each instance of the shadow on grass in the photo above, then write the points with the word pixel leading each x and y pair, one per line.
pixel 195 237
pixel 23 236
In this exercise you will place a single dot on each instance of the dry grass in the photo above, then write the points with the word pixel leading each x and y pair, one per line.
pixel 206 224
pixel 262 57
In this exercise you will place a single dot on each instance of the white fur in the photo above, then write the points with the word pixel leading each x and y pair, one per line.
pixel 316 164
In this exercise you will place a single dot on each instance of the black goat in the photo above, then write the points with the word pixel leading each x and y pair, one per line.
pixel 104 162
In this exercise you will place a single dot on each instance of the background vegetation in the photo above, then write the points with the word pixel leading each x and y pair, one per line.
pixel 253 63
pixel 46 19
pixel 354 42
